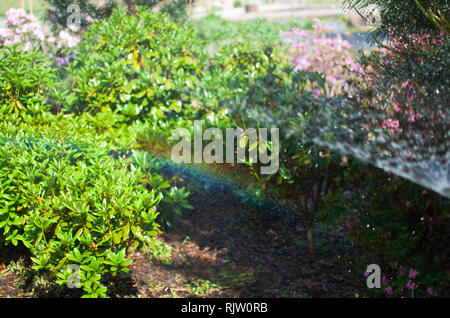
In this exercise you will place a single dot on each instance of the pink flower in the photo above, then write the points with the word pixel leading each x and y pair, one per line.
pixel 389 290
pixel 303 33
pixel 407 203
pixel 331 56
pixel 412 273
pixel 21 27
pixel 294 31
pixel 391 123
pixel 410 284
pixel 431 291
pixel 384 280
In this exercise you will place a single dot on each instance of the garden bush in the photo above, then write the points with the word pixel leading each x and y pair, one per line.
pixel 137 65
pixel 231 69
pixel 311 174
pixel 306 172
pixel 401 104
pixel 71 203
pixel 83 200
pixel 320 51
pixel 26 79
pixel 22 27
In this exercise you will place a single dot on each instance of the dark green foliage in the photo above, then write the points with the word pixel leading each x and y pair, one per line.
pixel 26 79
pixel 397 222
pixel 404 14
pixel 271 100
pixel 176 9
pixel 173 200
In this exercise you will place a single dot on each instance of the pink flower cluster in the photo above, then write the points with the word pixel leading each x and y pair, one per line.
pixel 22 27
pixel 398 284
pixel 318 51
pixel 392 124
pixel 404 103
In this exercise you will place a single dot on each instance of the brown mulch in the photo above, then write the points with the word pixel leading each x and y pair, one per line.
pixel 12 282
pixel 230 245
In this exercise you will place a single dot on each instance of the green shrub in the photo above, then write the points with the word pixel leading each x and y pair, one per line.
pixel 137 66
pixel 173 199
pixel 26 77
pixel 176 9
pixel 232 70
pixel 72 203
pixel 237 4
pixel 272 100
pixel 161 252
pixel 407 16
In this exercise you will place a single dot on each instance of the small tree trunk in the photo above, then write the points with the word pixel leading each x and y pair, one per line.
pixel 309 234
pixel 308 223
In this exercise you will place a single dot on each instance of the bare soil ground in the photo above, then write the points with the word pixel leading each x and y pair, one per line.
pixel 223 249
